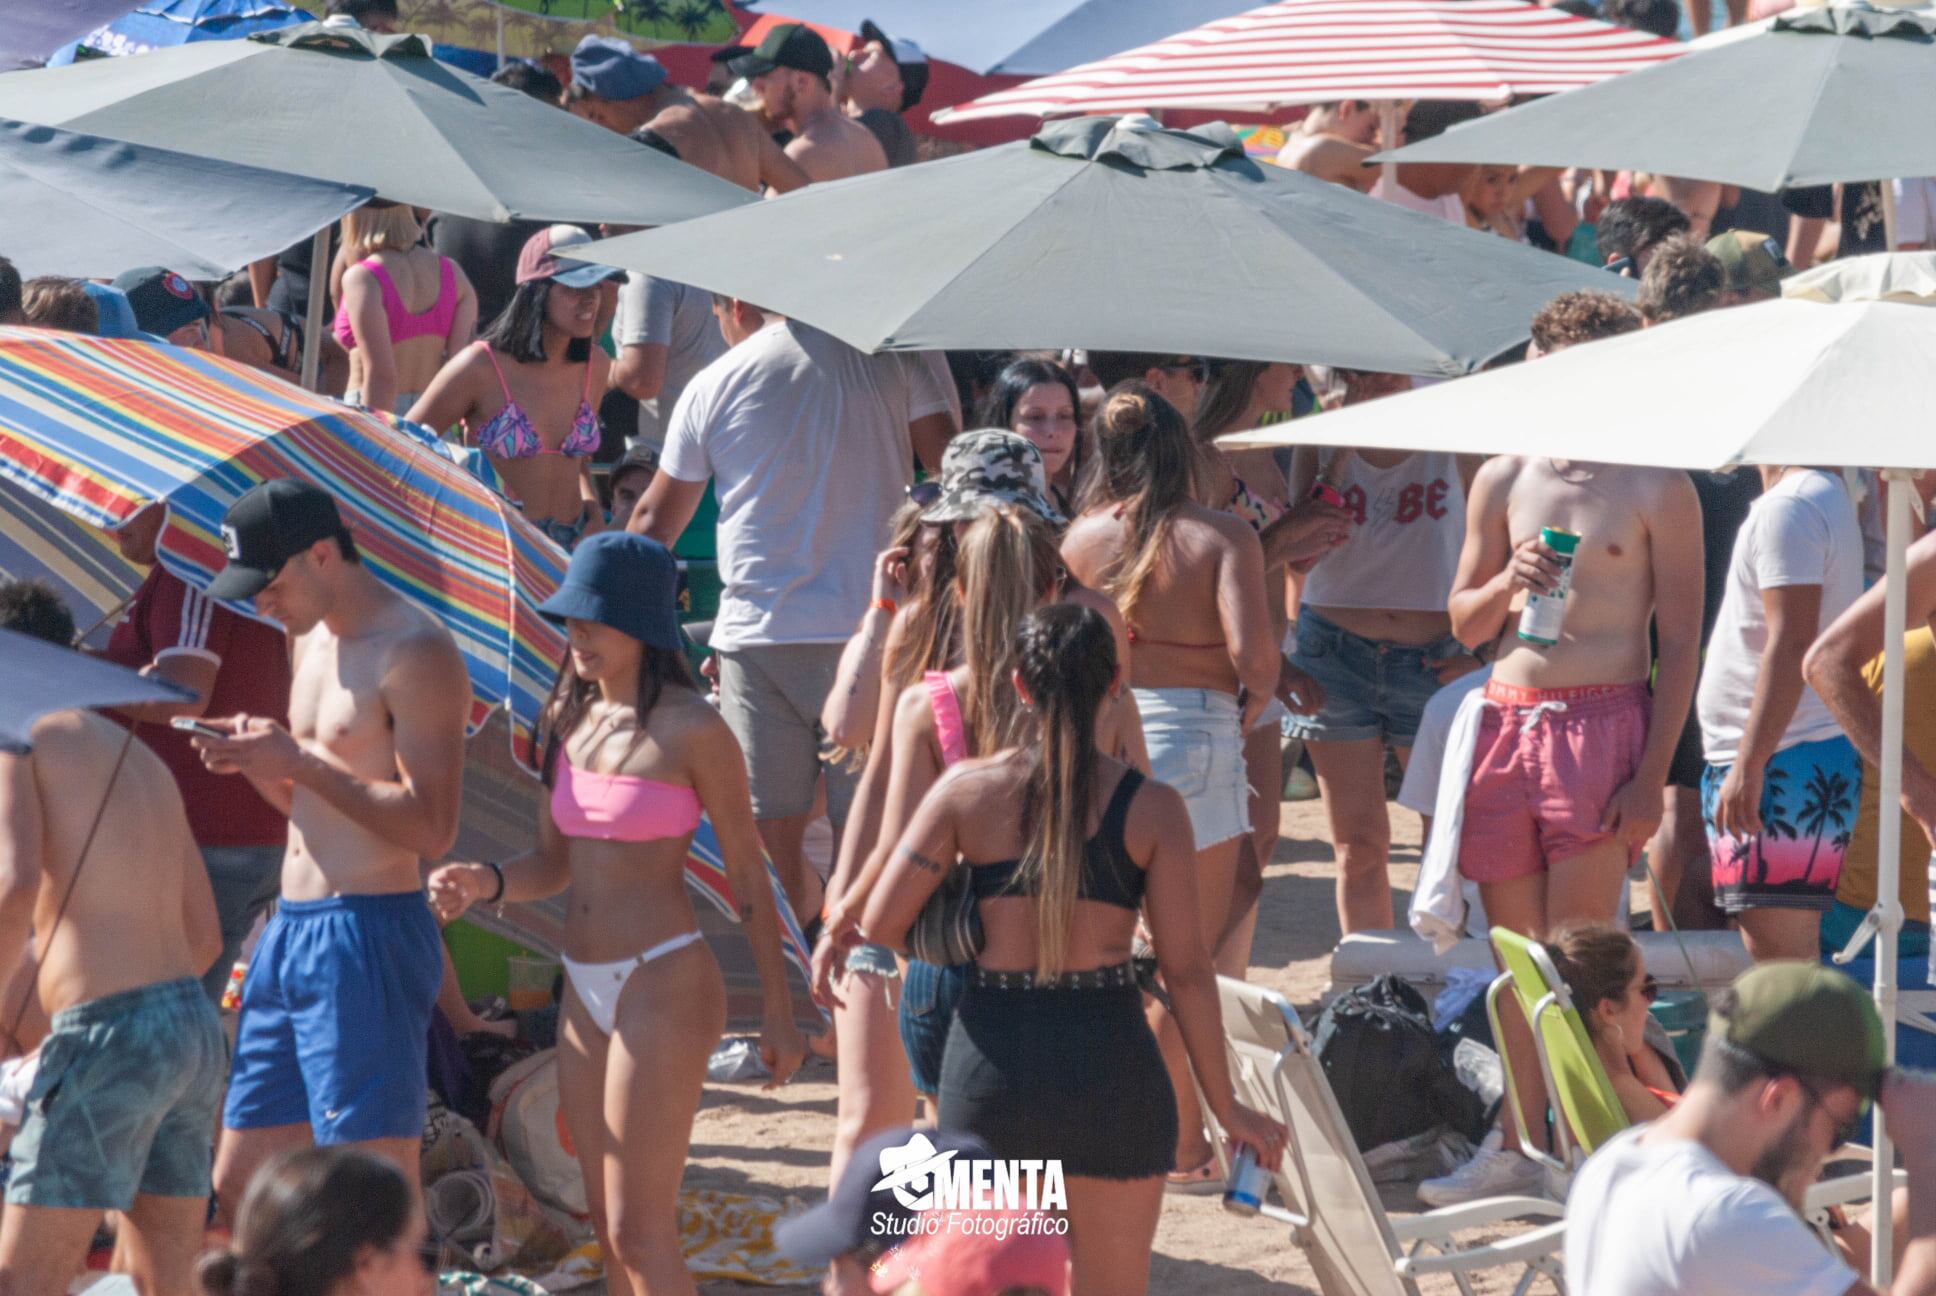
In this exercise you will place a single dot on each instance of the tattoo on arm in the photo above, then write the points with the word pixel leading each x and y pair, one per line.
pixel 921 861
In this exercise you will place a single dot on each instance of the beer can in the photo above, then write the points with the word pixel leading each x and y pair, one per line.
pixel 1541 618
pixel 1244 1190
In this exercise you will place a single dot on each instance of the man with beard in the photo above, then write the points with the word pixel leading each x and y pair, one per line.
pixel 1705 1199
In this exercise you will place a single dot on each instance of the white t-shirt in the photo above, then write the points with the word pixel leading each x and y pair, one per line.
pixel 806 440
pixel 1802 532
pixel 679 318
pixel 1916 211
pixel 1447 207
pixel 1645 1219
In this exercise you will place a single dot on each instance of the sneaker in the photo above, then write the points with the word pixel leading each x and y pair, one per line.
pixel 1494 1172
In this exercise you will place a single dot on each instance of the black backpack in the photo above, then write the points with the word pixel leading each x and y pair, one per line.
pixel 1384 1064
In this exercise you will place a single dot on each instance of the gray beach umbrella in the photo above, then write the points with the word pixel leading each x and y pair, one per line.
pixel 1814 96
pixel 1114 234
pixel 89 207
pixel 343 104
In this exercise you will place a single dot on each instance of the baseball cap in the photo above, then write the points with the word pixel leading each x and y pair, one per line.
pixel 638 455
pixel 993 1257
pixel 163 301
pixel 858 1212
pixel 265 528
pixel 787 45
pixel 907 56
pixel 539 259
pixel 1807 1019
pixel 986 467
pixel 625 581
pixel 611 69
pixel 1751 262
pixel 113 312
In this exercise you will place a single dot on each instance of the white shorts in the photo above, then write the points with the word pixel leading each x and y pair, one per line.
pixel 1197 747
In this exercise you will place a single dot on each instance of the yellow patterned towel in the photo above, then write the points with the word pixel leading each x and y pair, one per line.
pixel 724 1235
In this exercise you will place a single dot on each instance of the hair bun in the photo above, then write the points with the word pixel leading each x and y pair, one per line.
pixel 1124 413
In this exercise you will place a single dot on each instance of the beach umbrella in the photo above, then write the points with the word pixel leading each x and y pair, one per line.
pixel 159 24
pixel 34 29
pixel 90 207
pixel 39 542
pixel 1012 37
pixel 1117 235
pixel 99 428
pixel 1830 369
pixel 43 678
pixel 1814 96
pixel 1318 51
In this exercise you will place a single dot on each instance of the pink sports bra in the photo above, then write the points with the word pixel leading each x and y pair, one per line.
pixel 949 730
pixel 510 433
pixel 404 325
pixel 621 807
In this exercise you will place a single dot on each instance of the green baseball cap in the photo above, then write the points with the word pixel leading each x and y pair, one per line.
pixel 1807 1019
pixel 1750 262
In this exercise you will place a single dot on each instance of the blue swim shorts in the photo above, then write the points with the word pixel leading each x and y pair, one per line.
pixel 336 1019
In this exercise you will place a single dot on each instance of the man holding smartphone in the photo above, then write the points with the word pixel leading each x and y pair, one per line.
pixel 233 665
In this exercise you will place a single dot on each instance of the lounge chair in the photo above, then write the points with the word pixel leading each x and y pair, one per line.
pixel 1329 1203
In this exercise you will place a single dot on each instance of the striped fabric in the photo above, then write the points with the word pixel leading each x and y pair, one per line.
pixel 97 427
pixel 39 542
pixel 1320 51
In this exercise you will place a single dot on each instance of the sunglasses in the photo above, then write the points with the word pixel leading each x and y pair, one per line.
pixel 1844 1129
pixel 1649 988
pixel 924 493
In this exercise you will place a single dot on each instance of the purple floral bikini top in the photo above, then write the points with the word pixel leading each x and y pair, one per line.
pixel 510 434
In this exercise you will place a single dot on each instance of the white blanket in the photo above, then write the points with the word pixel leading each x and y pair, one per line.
pixel 1438 901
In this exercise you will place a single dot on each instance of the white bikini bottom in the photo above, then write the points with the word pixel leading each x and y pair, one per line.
pixel 600 984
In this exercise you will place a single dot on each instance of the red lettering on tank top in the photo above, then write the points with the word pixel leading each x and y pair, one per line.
pixel 1354 500
pixel 1435 497
pixel 1411 502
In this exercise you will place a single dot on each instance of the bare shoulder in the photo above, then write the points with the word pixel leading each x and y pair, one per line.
pixel 1199 520
pixel 912 713
pixel 1499 473
pixel 1083 596
pixel 681 715
pixel 420 648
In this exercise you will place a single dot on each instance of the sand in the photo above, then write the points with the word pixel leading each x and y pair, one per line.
pixel 776 1144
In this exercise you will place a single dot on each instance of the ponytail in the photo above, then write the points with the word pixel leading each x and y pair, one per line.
pixel 1147 470
pixel 1008 565
pixel 1066 657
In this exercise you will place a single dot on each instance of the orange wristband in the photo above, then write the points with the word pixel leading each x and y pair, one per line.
pixel 885 605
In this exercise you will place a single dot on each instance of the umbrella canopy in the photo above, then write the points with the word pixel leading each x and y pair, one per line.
pixel 89 207
pixel 34 29
pixel 1013 37
pixel 159 24
pixel 1817 96
pixel 100 427
pixel 1117 235
pixel 1317 51
pixel 43 678
pixel 82 564
pixel 343 104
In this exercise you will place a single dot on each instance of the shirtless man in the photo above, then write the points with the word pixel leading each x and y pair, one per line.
pixel 136 1051
pixel 1571 760
pixel 1332 143
pixel 615 86
pixel 336 1008
pixel 790 70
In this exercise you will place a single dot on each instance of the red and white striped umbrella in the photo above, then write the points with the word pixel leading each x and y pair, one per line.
pixel 1318 51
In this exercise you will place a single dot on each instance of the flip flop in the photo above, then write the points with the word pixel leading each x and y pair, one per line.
pixel 1199 1182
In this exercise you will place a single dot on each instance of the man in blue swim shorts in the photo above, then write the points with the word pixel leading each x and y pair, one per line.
pixel 336 1008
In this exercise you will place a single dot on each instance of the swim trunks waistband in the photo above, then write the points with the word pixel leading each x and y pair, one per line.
pixel 1520 696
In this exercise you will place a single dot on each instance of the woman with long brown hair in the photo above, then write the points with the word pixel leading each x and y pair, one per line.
pixel 1049 1055
pixel 633 754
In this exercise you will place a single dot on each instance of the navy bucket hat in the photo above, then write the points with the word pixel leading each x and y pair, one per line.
pixel 624 581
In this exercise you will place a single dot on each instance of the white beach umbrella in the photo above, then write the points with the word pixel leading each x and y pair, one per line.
pixel 1836 371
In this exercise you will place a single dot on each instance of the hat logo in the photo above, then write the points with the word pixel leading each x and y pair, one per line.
pixel 912 1171
pixel 232 542
pixel 177 286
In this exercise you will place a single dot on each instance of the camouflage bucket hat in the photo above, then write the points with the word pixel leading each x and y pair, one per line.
pixel 987 467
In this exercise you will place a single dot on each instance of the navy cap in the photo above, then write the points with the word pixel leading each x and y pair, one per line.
pixel 865 1197
pixel 787 45
pixel 907 56
pixel 163 301
pixel 265 528
pixel 624 581
pixel 611 69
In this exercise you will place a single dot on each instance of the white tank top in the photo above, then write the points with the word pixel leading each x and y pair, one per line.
pixel 1404 550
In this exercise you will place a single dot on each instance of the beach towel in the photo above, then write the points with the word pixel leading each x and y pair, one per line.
pixel 1438 901
pixel 724 1236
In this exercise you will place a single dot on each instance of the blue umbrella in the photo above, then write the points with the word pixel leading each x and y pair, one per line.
pixel 36 29
pixel 159 24
pixel 1014 37
pixel 43 678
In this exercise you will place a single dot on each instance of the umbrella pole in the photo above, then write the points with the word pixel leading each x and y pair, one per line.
pixel 1388 140
pixel 1888 216
pixel 1889 846
pixel 500 37
pixel 312 364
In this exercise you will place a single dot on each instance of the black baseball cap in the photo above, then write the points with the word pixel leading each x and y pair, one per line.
pixel 163 301
pixel 907 56
pixel 268 526
pixel 787 45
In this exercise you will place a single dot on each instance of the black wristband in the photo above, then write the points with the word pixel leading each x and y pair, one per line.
pixel 498 873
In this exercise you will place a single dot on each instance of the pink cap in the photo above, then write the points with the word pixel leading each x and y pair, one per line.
pixel 967 1256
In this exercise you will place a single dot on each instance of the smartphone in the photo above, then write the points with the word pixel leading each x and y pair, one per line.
pixel 1329 494
pixel 1622 266
pixel 190 725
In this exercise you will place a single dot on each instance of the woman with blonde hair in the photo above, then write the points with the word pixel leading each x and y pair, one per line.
pixel 402 310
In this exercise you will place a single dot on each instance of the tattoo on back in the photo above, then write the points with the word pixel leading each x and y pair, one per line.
pixel 921 861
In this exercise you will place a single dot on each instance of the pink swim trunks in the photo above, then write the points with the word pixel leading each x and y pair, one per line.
pixel 1546 764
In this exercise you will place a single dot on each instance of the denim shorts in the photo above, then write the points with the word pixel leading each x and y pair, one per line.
pixel 1372 689
pixel 1195 746
pixel 876 960
pixel 929 997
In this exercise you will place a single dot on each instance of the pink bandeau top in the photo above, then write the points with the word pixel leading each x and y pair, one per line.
pixel 620 807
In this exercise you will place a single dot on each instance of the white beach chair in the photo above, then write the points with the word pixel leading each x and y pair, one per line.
pixel 1333 1211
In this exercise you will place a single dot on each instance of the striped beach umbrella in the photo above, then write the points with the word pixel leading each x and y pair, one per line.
pixel 39 542
pixel 100 427
pixel 1320 51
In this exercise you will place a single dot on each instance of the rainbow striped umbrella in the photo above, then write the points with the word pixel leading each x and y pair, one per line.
pixel 99 427
pixel 39 542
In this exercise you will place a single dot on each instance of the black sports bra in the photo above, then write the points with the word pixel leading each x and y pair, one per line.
pixel 1108 875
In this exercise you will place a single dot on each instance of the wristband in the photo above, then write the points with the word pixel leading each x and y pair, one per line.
pixel 885 605
pixel 498 873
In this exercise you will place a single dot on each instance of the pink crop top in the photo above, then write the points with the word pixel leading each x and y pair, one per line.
pixel 621 807
pixel 510 433
pixel 404 325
